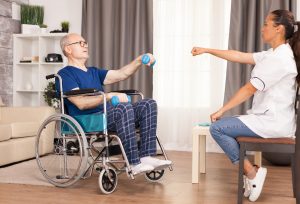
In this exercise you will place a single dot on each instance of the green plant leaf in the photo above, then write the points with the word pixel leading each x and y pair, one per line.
pixel 32 14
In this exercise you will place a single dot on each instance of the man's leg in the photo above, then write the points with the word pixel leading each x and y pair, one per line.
pixel 146 118
pixel 121 120
pixel 145 112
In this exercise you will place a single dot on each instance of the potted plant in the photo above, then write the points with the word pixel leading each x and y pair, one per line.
pixel 50 95
pixel 43 28
pixel 31 17
pixel 65 26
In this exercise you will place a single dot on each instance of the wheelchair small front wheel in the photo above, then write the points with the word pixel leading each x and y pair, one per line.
pixel 154 175
pixel 108 180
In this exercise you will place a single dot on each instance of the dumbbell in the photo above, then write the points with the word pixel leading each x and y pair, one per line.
pixel 146 60
pixel 115 100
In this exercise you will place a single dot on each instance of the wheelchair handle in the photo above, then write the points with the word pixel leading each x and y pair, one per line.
pixel 50 76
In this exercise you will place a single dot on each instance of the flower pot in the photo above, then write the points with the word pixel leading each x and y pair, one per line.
pixel 43 30
pixel 30 29
pixel 65 30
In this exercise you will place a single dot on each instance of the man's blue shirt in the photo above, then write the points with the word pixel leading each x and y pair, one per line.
pixel 75 78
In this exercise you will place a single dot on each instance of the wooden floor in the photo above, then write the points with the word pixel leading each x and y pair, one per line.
pixel 217 186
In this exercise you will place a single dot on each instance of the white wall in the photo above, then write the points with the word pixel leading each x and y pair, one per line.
pixel 57 11
pixel 298 11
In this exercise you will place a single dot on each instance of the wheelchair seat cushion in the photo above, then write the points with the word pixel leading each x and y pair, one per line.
pixel 90 123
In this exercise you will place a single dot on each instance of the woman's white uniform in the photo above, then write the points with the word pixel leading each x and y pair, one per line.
pixel 273 114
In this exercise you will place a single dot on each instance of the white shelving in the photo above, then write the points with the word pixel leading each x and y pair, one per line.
pixel 29 79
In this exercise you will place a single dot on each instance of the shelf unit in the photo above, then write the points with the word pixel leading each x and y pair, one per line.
pixel 29 79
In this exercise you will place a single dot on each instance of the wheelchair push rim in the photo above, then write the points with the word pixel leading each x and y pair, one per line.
pixel 61 166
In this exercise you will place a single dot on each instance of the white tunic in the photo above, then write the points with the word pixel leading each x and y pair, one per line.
pixel 273 114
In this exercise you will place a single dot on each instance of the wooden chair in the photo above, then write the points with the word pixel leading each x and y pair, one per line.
pixel 279 145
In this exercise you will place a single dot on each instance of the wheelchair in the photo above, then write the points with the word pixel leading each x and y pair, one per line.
pixel 82 145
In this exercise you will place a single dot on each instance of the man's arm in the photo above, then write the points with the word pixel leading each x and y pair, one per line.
pixel 112 76
pixel 126 71
pixel 89 102
pixel 86 102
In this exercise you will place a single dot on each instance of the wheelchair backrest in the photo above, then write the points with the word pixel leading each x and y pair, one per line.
pixel 95 122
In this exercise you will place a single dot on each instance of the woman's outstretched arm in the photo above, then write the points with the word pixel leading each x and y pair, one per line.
pixel 230 55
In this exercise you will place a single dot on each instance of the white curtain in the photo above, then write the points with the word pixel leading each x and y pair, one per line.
pixel 187 89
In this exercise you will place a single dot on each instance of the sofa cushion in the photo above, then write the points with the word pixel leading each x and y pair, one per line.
pixel 24 129
pixel 25 114
pixel 14 150
pixel 5 132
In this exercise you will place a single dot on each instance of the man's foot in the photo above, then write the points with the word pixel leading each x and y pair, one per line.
pixel 257 183
pixel 247 190
pixel 139 168
pixel 155 162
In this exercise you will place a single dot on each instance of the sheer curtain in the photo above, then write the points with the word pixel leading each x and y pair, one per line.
pixel 188 89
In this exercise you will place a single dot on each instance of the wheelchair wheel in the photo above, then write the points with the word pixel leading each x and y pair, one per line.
pixel 154 175
pixel 60 161
pixel 108 180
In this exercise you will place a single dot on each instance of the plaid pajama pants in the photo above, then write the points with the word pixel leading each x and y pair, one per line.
pixel 125 117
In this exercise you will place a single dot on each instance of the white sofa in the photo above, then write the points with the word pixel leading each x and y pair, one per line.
pixel 18 130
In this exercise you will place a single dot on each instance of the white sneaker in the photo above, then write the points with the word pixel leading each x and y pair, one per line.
pixel 257 183
pixel 139 168
pixel 155 162
pixel 247 190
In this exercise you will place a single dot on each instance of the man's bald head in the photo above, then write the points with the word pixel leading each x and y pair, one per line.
pixel 67 39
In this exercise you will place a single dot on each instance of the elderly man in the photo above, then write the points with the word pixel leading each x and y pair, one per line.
pixel 121 118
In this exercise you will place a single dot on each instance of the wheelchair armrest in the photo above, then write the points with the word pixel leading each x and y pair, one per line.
pixel 80 92
pixel 130 92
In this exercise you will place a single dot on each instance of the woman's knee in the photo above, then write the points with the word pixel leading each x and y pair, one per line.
pixel 214 129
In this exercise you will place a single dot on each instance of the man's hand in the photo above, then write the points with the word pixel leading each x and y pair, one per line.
pixel 151 61
pixel 216 116
pixel 198 51
pixel 122 96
